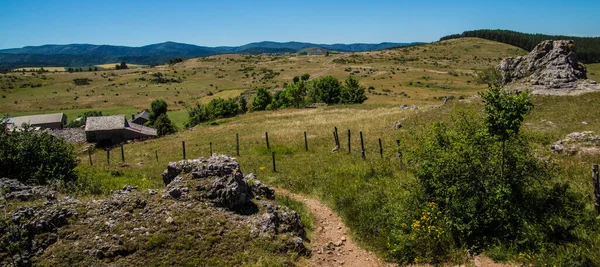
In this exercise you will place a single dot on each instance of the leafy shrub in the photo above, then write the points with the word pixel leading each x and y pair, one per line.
pixel 215 109
pixel 425 239
pixel 490 76
pixel 157 108
pixel 326 90
pixel 81 81
pixel 352 92
pixel 262 99
pixel 81 122
pixel 490 188
pixel 164 125
pixel 36 156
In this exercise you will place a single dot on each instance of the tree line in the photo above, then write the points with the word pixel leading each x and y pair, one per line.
pixel 588 48
pixel 297 94
pixel 301 92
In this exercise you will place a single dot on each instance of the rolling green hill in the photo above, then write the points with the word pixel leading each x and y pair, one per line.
pixel 74 55
pixel 588 48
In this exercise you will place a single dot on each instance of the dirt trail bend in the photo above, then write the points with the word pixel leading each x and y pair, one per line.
pixel 325 64
pixel 330 243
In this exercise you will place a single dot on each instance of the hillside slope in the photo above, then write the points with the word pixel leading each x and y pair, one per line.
pixel 75 55
pixel 588 48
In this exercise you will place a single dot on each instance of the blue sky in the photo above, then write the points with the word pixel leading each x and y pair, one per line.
pixel 215 23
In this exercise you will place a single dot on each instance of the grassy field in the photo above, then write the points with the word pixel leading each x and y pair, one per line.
pixel 51 69
pixel 407 75
pixel 370 194
pixel 594 71
pixel 109 66
pixel 364 192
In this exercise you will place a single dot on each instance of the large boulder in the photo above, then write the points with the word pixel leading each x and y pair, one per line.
pixel 216 165
pixel 550 68
pixel 230 191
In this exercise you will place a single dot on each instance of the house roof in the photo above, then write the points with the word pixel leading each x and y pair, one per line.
pixel 144 114
pixel 105 123
pixel 38 119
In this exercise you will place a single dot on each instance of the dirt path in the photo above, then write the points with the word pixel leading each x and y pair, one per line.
pixel 325 64
pixel 330 243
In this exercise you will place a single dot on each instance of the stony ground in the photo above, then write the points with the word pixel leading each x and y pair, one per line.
pixel 331 244
pixel 208 213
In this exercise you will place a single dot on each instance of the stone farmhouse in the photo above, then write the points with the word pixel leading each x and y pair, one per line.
pixel 43 121
pixel 115 129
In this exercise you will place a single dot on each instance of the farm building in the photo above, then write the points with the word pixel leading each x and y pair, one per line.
pixel 141 118
pixel 115 129
pixel 45 121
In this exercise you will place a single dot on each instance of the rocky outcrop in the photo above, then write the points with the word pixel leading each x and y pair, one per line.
pixel 230 191
pixel 578 143
pixel 551 68
pixel 216 165
pixel 114 226
pixel 14 189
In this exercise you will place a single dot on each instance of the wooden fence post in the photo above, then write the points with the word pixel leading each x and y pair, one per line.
pixel 334 138
pixel 362 145
pixel 237 144
pixel 183 147
pixel 596 189
pixel 210 149
pixel 267 139
pixel 108 156
pixel 156 152
pixel 380 148
pixel 397 142
pixel 122 154
pixel 305 141
pixel 274 167
pixel 349 148
pixel 90 156
pixel 337 137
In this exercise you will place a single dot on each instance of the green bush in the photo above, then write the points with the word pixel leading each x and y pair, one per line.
pixel 262 99
pixel 215 109
pixel 81 81
pixel 164 125
pixel 326 90
pixel 490 76
pixel 37 157
pixel 352 92
pixel 490 187
pixel 157 107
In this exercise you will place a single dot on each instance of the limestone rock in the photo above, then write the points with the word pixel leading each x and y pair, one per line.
pixel 550 68
pixel 230 191
pixel 578 143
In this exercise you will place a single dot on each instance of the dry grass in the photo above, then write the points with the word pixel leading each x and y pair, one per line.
pixel 593 71
pixel 111 66
pixel 38 68
pixel 442 69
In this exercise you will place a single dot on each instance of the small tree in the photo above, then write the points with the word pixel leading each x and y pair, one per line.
pixel 262 99
pixel 490 187
pixel 305 77
pixel 296 79
pixel 295 94
pixel 29 155
pixel 352 92
pixel 326 89
pixel 164 125
pixel 490 76
pixel 123 66
pixel 243 105
pixel 157 108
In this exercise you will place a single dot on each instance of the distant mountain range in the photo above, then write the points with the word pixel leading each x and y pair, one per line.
pixel 77 55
